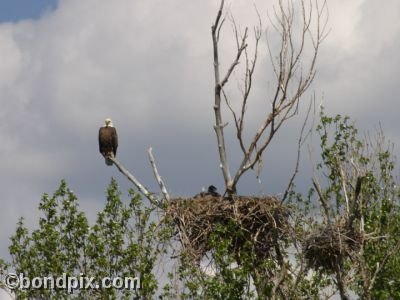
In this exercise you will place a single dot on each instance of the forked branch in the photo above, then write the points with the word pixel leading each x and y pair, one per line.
pixel 157 175
pixel 292 71
pixel 153 200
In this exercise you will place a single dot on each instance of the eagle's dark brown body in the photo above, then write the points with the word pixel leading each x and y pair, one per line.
pixel 108 142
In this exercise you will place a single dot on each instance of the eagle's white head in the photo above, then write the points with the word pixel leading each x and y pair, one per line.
pixel 108 122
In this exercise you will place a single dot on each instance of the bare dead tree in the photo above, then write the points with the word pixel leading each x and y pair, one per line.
pixel 293 76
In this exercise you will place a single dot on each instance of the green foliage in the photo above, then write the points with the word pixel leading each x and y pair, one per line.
pixel 362 190
pixel 338 146
pixel 231 280
pixel 124 242
pixel 55 247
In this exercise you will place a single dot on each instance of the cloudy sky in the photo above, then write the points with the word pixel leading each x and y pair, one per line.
pixel 68 64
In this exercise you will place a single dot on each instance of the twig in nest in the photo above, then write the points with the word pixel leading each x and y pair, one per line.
pixel 263 221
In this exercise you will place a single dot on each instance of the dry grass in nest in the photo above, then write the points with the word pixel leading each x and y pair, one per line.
pixel 264 221
pixel 328 246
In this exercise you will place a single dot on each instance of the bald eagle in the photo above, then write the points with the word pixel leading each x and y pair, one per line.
pixel 108 141
pixel 212 191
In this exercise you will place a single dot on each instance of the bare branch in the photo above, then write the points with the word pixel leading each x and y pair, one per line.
pixel 133 179
pixel 250 67
pixel 219 28
pixel 322 199
pixel 299 145
pixel 237 123
pixel 157 175
pixel 219 14
pixel 240 50
pixel 343 183
pixel 292 81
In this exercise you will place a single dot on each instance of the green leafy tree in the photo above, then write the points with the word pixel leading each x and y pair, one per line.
pixel 360 201
pixel 125 241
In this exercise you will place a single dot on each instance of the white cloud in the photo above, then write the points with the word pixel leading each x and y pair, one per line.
pixel 10 67
pixel 343 19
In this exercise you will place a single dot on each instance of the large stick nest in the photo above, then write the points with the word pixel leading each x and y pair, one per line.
pixel 263 222
pixel 328 246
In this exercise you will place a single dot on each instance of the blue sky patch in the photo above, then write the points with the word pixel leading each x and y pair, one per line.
pixel 16 10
